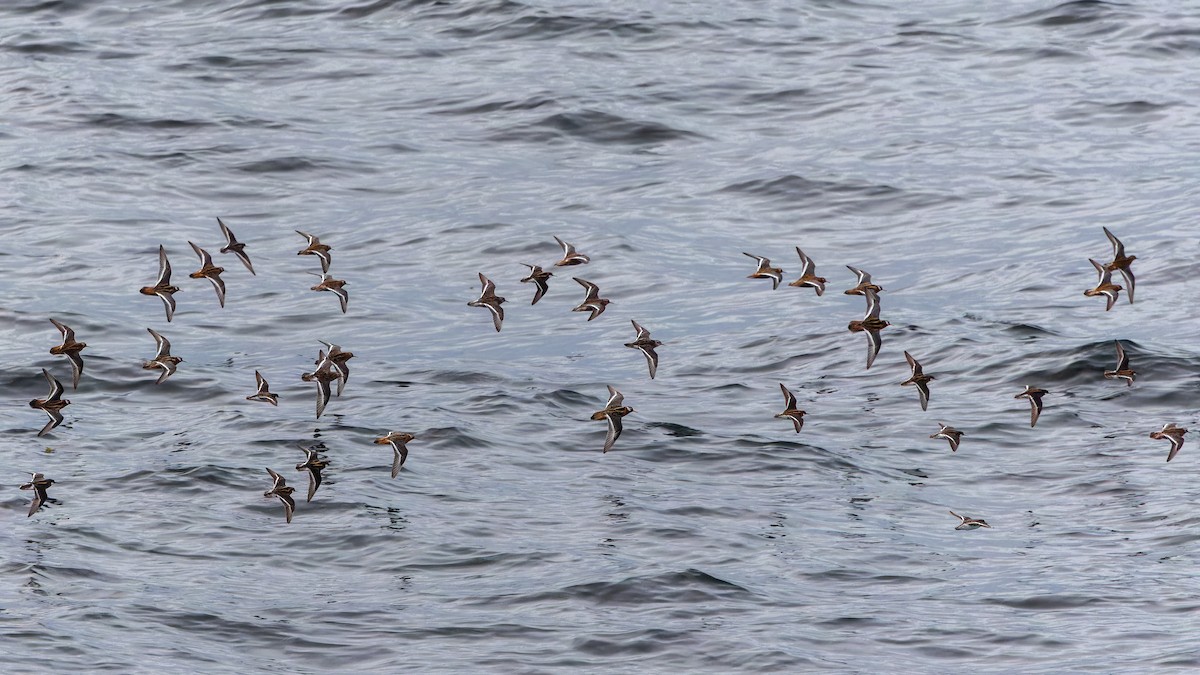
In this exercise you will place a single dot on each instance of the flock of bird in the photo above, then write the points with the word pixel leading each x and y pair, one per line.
pixel 331 363
pixel 872 325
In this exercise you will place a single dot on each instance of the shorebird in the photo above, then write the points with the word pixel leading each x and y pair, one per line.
pixel 162 357
pixel 209 271
pixel 1171 433
pixel 39 484
pixel 919 378
pixel 1122 371
pixel 966 523
pixel 335 286
pixel 262 394
pixel 490 300
pixel 232 245
pixel 871 324
pixel 950 434
pixel 280 489
pixel 323 375
pixel 863 284
pixel 315 247
pixel 70 348
pixel 593 302
pixel 790 409
pixel 570 255
pixel 338 357
pixel 163 288
pixel 613 412
pixel 313 465
pixel 1035 402
pixel 1104 286
pixel 647 345
pixel 52 405
pixel 1121 263
pixel 808 274
pixel 398 441
pixel 540 278
pixel 765 271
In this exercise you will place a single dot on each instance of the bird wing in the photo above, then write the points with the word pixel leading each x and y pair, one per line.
pixel 205 258
pixel 1118 247
pixel 912 363
pixel 651 359
pixel 593 291
pixel 230 240
pixel 807 265
pixel 76 368
pixel 164 267
pixel 1176 444
pixel 488 287
pixel 56 419
pixel 400 453
pixel 169 303
pixel 874 342
pixel 161 343
pixel 67 333
pixel 168 367
pixel 614 431
pixel 1128 275
pixel 343 297
pixel 923 392
pixel 219 287
pixel 872 304
pixel 56 388
pixel 789 399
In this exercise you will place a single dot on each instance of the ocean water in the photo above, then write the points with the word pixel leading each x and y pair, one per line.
pixel 965 154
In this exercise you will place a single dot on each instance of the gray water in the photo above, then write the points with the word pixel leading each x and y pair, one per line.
pixel 964 153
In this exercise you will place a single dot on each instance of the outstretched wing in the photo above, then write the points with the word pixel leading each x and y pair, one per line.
pixel 67 333
pixel 912 363
pixel 1128 274
pixel 807 265
pixel 164 267
pixel 205 258
pixel 1035 409
pixel 789 399
pixel 872 304
pixel 56 388
pixel 593 291
pixel 923 392
pixel 614 431
pixel 641 332
pixel 874 342
pixel 161 343
pixel 1118 247
pixel 651 359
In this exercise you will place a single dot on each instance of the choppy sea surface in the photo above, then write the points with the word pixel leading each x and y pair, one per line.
pixel 966 154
